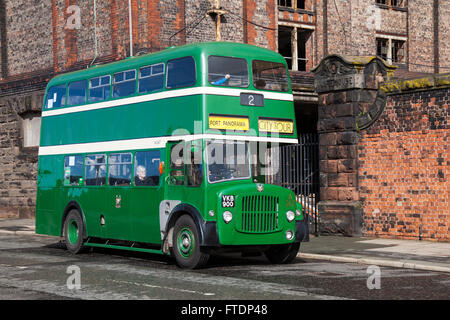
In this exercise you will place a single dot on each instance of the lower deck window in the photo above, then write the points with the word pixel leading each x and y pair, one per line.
pixel 73 170
pixel 119 169
pixel 95 170
pixel 146 172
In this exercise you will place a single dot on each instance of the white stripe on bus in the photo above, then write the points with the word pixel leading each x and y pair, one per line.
pixel 167 94
pixel 146 143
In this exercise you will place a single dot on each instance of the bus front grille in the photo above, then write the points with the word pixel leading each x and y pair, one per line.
pixel 259 214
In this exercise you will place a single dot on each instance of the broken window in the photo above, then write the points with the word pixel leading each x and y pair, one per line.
pixel 391 50
pixel 296 4
pixel 382 51
pixel 398 51
pixel 393 3
pixel 292 42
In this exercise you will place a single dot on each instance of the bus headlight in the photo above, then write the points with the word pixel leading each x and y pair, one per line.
pixel 227 216
pixel 289 235
pixel 290 215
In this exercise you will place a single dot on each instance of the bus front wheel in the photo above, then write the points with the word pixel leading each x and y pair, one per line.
pixel 283 253
pixel 186 246
pixel 73 231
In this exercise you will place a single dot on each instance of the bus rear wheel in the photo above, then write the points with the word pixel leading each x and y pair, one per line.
pixel 283 253
pixel 186 246
pixel 73 232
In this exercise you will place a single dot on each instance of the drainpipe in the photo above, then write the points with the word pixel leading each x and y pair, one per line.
pixel 130 24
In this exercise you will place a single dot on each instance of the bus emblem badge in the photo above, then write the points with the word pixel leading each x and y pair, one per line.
pixel 260 187
pixel 118 201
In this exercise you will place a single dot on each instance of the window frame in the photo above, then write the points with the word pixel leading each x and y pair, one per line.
pixel 83 157
pixel 186 86
pixel 86 166
pixel 135 167
pixel 228 57
pixel 65 96
pixel 100 86
pixel 139 78
pixel 108 173
pixel 124 81
pixel 85 93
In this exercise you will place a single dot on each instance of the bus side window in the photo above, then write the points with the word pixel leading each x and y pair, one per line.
pixel 124 83
pixel 99 88
pixel 151 78
pixel 56 97
pixel 194 164
pixel 95 170
pixel 77 93
pixel 181 73
pixel 146 168
pixel 119 169
pixel 177 164
pixel 73 170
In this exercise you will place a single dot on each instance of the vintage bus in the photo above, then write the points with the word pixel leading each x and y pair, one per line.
pixel 173 153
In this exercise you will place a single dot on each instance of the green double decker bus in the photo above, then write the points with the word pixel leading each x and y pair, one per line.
pixel 173 152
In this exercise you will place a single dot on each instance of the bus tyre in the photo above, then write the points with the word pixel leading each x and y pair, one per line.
pixel 186 246
pixel 283 253
pixel 73 232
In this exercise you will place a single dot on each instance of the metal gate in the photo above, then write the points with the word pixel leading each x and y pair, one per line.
pixel 299 171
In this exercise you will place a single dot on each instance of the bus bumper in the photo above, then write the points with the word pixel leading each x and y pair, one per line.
pixel 301 231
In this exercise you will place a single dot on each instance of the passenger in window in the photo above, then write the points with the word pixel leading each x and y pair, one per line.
pixel 142 179
pixel 222 81
pixel 260 84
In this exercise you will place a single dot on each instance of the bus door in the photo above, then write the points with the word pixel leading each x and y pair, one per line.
pixel 147 195
pixel 118 206
pixel 173 182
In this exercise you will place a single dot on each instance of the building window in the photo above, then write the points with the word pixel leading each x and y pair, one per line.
pixel 292 42
pixel 31 126
pixel 398 51
pixel 382 45
pixel 296 4
pixel 391 50
pixel 392 3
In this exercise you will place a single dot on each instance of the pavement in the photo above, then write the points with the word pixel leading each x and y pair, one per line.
pixel 409 254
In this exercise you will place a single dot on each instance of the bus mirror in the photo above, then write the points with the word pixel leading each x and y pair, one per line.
pixel 162 166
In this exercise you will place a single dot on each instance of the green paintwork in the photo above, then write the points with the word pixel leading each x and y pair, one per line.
pixel 137 218
pixel 72 231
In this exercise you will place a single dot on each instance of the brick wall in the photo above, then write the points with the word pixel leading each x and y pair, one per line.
pixel 404 168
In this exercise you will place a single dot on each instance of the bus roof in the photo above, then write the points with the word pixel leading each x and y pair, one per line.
pixel 230 49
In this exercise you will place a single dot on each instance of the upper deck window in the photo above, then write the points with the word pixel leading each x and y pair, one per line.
pixel 99 88
pixel 269 75
pixel 226 71
pixel 181 73
pixel 124 83
pixel 77 93
pixel 151 78
pixel 56 96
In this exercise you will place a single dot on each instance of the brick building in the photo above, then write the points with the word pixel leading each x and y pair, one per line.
pixel 39 39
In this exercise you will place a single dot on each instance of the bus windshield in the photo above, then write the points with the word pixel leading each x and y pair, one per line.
pixel 227 160
pixel 269 75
